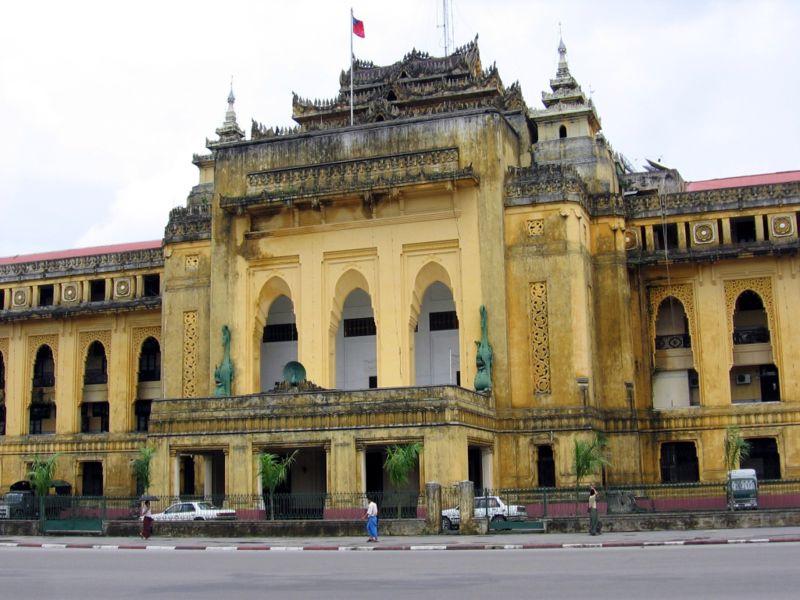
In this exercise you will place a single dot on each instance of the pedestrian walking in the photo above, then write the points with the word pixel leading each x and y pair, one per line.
pixel 594 520
pixel 371 516
pixel 147 521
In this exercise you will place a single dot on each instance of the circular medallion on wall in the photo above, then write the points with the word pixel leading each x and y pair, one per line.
pixel 20 298
pixel 70 292
pixel 630 240
pixel 123 288
pixel 781 226
pixel 703 233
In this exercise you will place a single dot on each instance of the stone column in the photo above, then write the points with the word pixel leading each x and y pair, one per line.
pixel 208 472
pixel 433 503
pixel 176 476
pixel 466 508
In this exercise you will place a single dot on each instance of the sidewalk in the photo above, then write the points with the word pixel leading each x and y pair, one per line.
pixel 506 541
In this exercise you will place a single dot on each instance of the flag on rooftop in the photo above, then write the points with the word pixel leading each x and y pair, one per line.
pixel 358 27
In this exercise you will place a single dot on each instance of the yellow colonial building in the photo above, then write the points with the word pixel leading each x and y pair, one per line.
pixel 445 264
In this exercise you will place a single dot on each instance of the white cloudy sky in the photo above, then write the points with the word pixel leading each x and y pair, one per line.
pixel 102 104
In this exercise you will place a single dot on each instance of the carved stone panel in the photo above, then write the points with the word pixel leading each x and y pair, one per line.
pixel 86 338
pixel 631 239
pixel 189 354
pixel 704 232
pixel 540 337
pixel 534 227
pixel 782 226
pixel 123 288
pixel 21 297
pixel 37 341
pixel 70 293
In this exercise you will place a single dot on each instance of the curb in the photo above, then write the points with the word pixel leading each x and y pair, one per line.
pixel 400 547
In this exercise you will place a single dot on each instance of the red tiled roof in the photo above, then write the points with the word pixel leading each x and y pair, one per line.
pixel 744 180
pixel 93 251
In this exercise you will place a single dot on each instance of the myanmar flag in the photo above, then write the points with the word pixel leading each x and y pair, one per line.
pixel 358 27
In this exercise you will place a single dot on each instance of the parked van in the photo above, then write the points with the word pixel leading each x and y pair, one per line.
pixel 742 489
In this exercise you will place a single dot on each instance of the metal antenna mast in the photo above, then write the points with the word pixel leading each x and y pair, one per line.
pixel 446 26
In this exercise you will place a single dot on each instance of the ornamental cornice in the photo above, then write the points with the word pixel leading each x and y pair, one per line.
pixel 542 184
pixel 739 198
pixel 82 265
pixel 188 223
pixel 61 311
pixel 351 177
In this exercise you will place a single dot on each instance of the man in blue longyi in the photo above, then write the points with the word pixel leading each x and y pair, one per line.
pixel 371 515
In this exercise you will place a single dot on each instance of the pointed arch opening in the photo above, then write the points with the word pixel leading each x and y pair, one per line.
pixel 94 402
pixel 42 410
pixel 356 343
pixel 754 377
pixel 676 384
pixel 2 395
pixel 148 384
pixel 278 342
pixel 436 338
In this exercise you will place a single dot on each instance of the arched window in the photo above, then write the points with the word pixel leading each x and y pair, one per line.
pixel 436 344
pixel 94 405
pixel 750 324
pixel 150 361
pixel 278 342
pixel 149 383
pixel 96 365
pixel 356 354
pixel 562 131
pixel 43 408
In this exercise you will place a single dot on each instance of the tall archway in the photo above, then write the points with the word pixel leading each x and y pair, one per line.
pixel 94 403
pixel 43 393
pixel 675 382
pixel 754 376
pixel 356 351
pixel 278 342
pixel 2 395
pixel 436 338
pixel 148 384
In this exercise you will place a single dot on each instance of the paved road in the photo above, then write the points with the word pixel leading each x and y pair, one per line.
pixel 758 570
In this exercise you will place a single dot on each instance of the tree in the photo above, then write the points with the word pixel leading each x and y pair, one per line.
pixel 589 457
pixel 273 471
pixel 141 468
pixel 736 449
pixel 41 474
pixel 400 461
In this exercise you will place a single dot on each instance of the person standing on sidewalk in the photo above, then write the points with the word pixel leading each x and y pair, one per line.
pixel 371 515
pixel 594 521
pixel 147 521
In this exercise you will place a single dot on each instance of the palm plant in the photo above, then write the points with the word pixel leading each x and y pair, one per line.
pixel 588 458
pixel 141 468
pixel 41 474
pixel 736 449
pixel 400 461
pixel 273 470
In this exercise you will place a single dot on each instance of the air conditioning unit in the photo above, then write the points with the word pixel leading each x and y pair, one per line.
pixel 743 379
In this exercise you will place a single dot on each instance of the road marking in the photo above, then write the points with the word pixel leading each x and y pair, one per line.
pixel 221 548
pixel 286 548
pixel 442 547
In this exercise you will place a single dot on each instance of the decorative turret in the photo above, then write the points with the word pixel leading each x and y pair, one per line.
pixel 230 130
pixel 567 131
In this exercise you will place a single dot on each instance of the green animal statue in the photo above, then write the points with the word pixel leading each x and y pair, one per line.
pixel 483 359
pixel 223 374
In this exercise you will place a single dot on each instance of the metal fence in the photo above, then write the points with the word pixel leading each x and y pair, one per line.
pixel 538 502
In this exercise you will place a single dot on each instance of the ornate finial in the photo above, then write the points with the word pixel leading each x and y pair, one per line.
pixel 563 68
pixel 230 130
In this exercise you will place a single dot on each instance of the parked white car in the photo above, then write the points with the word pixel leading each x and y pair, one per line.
pixel 486 506
pixel 194 511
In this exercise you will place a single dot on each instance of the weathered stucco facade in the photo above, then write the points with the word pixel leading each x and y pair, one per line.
pixel 652 310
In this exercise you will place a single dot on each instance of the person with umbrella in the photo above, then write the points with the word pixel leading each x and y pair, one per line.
pixel 147 521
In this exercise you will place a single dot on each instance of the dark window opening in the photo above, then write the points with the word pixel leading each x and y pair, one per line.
pixel 765 225
pixel 374 466
pixel 92 479
pixel 562 131
pixel 750 320
pixel 475 469
pixel 668 232
pixel 545 466
pixel 2 299
pixel 679 462
pixel 96 365
pixel 2 373
pixel 441 321
pixel 391 96
pixel 141 409
pixel 743 230
pixel 458 377
pixel 359 327
pixel 403 75
pixel 379 119
pixel 97 290
pixel 280 332
pixel 770 383
pixel 533 131
pixel 46 295
pixel 38 414
pixel 44 368
pixel 764 458
pixel 152 286
pixel 94 417
pixel 150 361
pixel 2 419
pixel 373 382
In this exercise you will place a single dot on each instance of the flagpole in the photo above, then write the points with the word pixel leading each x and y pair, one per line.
pixel 351 66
